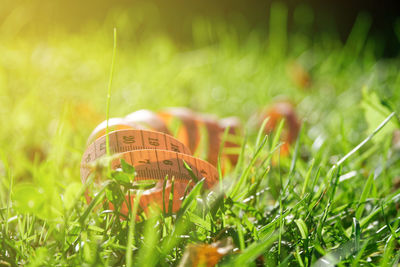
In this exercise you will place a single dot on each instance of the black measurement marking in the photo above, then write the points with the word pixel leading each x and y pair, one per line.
pixel 128 139
pixel 145 161
pixel 116 138
pixel 131 158
pixel 165 140
pixel 154 141
pixel 158 165
pixel 167 162
pixel 177 160
pixel 174 148
pixel 141 134
pixel 146 174
pixel 102 146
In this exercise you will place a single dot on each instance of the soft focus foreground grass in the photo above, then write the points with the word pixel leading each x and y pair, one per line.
pixel 52 94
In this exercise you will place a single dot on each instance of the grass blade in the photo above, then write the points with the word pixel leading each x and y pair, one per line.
pixel 250 254
pixel 369 137
pixel 364 195
pixel 131 238
pixel 109 92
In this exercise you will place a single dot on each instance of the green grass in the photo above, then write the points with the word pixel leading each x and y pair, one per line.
pixel 309 208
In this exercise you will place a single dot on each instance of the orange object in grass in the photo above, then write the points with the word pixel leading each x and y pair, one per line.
pixel 277 112
pixel 199 133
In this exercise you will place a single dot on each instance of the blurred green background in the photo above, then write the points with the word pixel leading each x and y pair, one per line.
pixel 227 58
pixel 176 17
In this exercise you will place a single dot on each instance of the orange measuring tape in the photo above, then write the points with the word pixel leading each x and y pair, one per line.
pixel 156 155
pixel 143 139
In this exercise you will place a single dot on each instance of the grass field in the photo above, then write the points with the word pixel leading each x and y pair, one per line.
pixel 314 207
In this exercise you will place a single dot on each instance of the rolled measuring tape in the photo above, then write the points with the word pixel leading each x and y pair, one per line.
pixel 155 156
pixel 143 140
